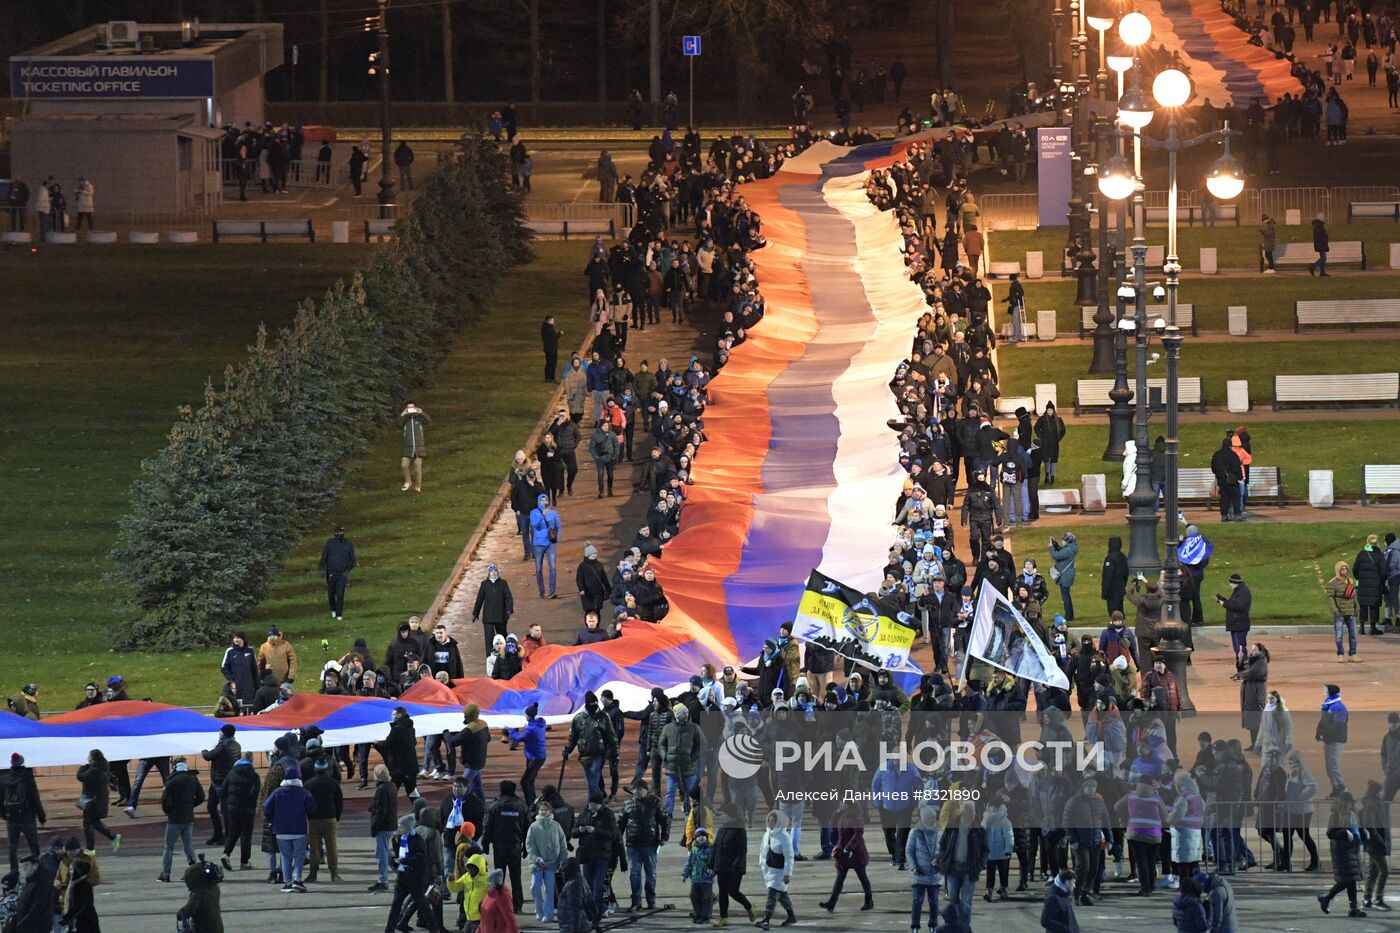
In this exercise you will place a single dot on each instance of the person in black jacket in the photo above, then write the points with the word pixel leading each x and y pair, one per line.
pixel 240 668
pixel 396 655
pixel 239 796
pixel 1370 572
pixel 337 560
pixel 400 752
pixel 324 821
pixel 443 655
pixel 643 826
pixel 504 835
pixel 1321 245
pixel 591 577
pixel 1114 584
pixel 457 809
pixel 731 859
pixel 596 832
pixel 182 794
pixel 414 877
pixel 22 808
pixel 494 606
pixel 38 898
pixel 383 816
pixel 1228 470
pixel 549 338
pixel 1236 607
pixel 221 760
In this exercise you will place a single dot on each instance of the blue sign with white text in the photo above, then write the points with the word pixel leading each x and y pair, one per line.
pixel 690 45
pixel 124 77
pixel 1053 179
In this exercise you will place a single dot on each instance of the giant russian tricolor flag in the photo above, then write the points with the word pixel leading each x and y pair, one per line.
pixel 1224 67
pixel 799 472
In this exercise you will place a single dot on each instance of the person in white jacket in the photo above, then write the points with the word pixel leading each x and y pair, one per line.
pixel 775 858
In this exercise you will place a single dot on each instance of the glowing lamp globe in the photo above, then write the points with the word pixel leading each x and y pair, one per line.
pixel 1135 29
pixel 1171 88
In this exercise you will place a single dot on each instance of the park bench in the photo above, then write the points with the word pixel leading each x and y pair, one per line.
pixel 1156 258
pixel 566 228
pixel 1000 270
pixel 1197 484
pixel 1337 391
pixel 1357 311
pixel 1059 501
pixel 264 230
pixel 1191 214
pixel 379 229
pixel 1379 479
pixel 1185 319
pixel 1091 395
pixel 1374 210
pixel 1341 252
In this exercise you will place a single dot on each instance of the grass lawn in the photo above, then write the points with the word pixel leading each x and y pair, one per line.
pixel 1268 298
pixel 1337 445
pixel 1280 562
pixel 1236 247
pixel 1255 360
pixel 100 348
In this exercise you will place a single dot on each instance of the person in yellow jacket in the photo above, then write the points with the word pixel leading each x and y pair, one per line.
pixel 471 884
pixel 701 815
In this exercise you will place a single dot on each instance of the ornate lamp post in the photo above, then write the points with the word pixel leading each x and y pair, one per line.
pixel 1225 180
pixel 1135 112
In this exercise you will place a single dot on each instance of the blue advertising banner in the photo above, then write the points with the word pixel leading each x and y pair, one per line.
pixel 1053 165
pixel 117 78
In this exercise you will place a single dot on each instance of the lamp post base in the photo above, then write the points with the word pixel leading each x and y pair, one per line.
pixel 1120 428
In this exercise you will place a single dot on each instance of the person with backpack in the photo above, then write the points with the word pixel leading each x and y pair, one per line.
pixel 22 808
pixel 591 732
pixel 1011 474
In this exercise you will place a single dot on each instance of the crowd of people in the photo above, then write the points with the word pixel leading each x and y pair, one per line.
pixel 50 205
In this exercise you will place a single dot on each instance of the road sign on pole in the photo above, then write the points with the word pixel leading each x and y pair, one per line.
pixel 690 47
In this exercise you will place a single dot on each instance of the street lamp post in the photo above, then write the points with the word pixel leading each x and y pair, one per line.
pixel 1102 360
pixel 1225 180
pixel 1101 20
pixel 1120 413
pixel 1135 112
pixel 386 130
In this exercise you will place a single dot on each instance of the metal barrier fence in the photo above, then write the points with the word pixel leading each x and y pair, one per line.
pixel 622 216
pixel 1275 831
pixel 1021 211
pixel 303 173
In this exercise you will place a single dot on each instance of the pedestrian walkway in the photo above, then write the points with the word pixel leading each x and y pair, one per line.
pixel 609 523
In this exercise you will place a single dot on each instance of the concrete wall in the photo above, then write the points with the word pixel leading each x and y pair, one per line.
pixel 132 168
pixel 109 108
pixel 241 104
